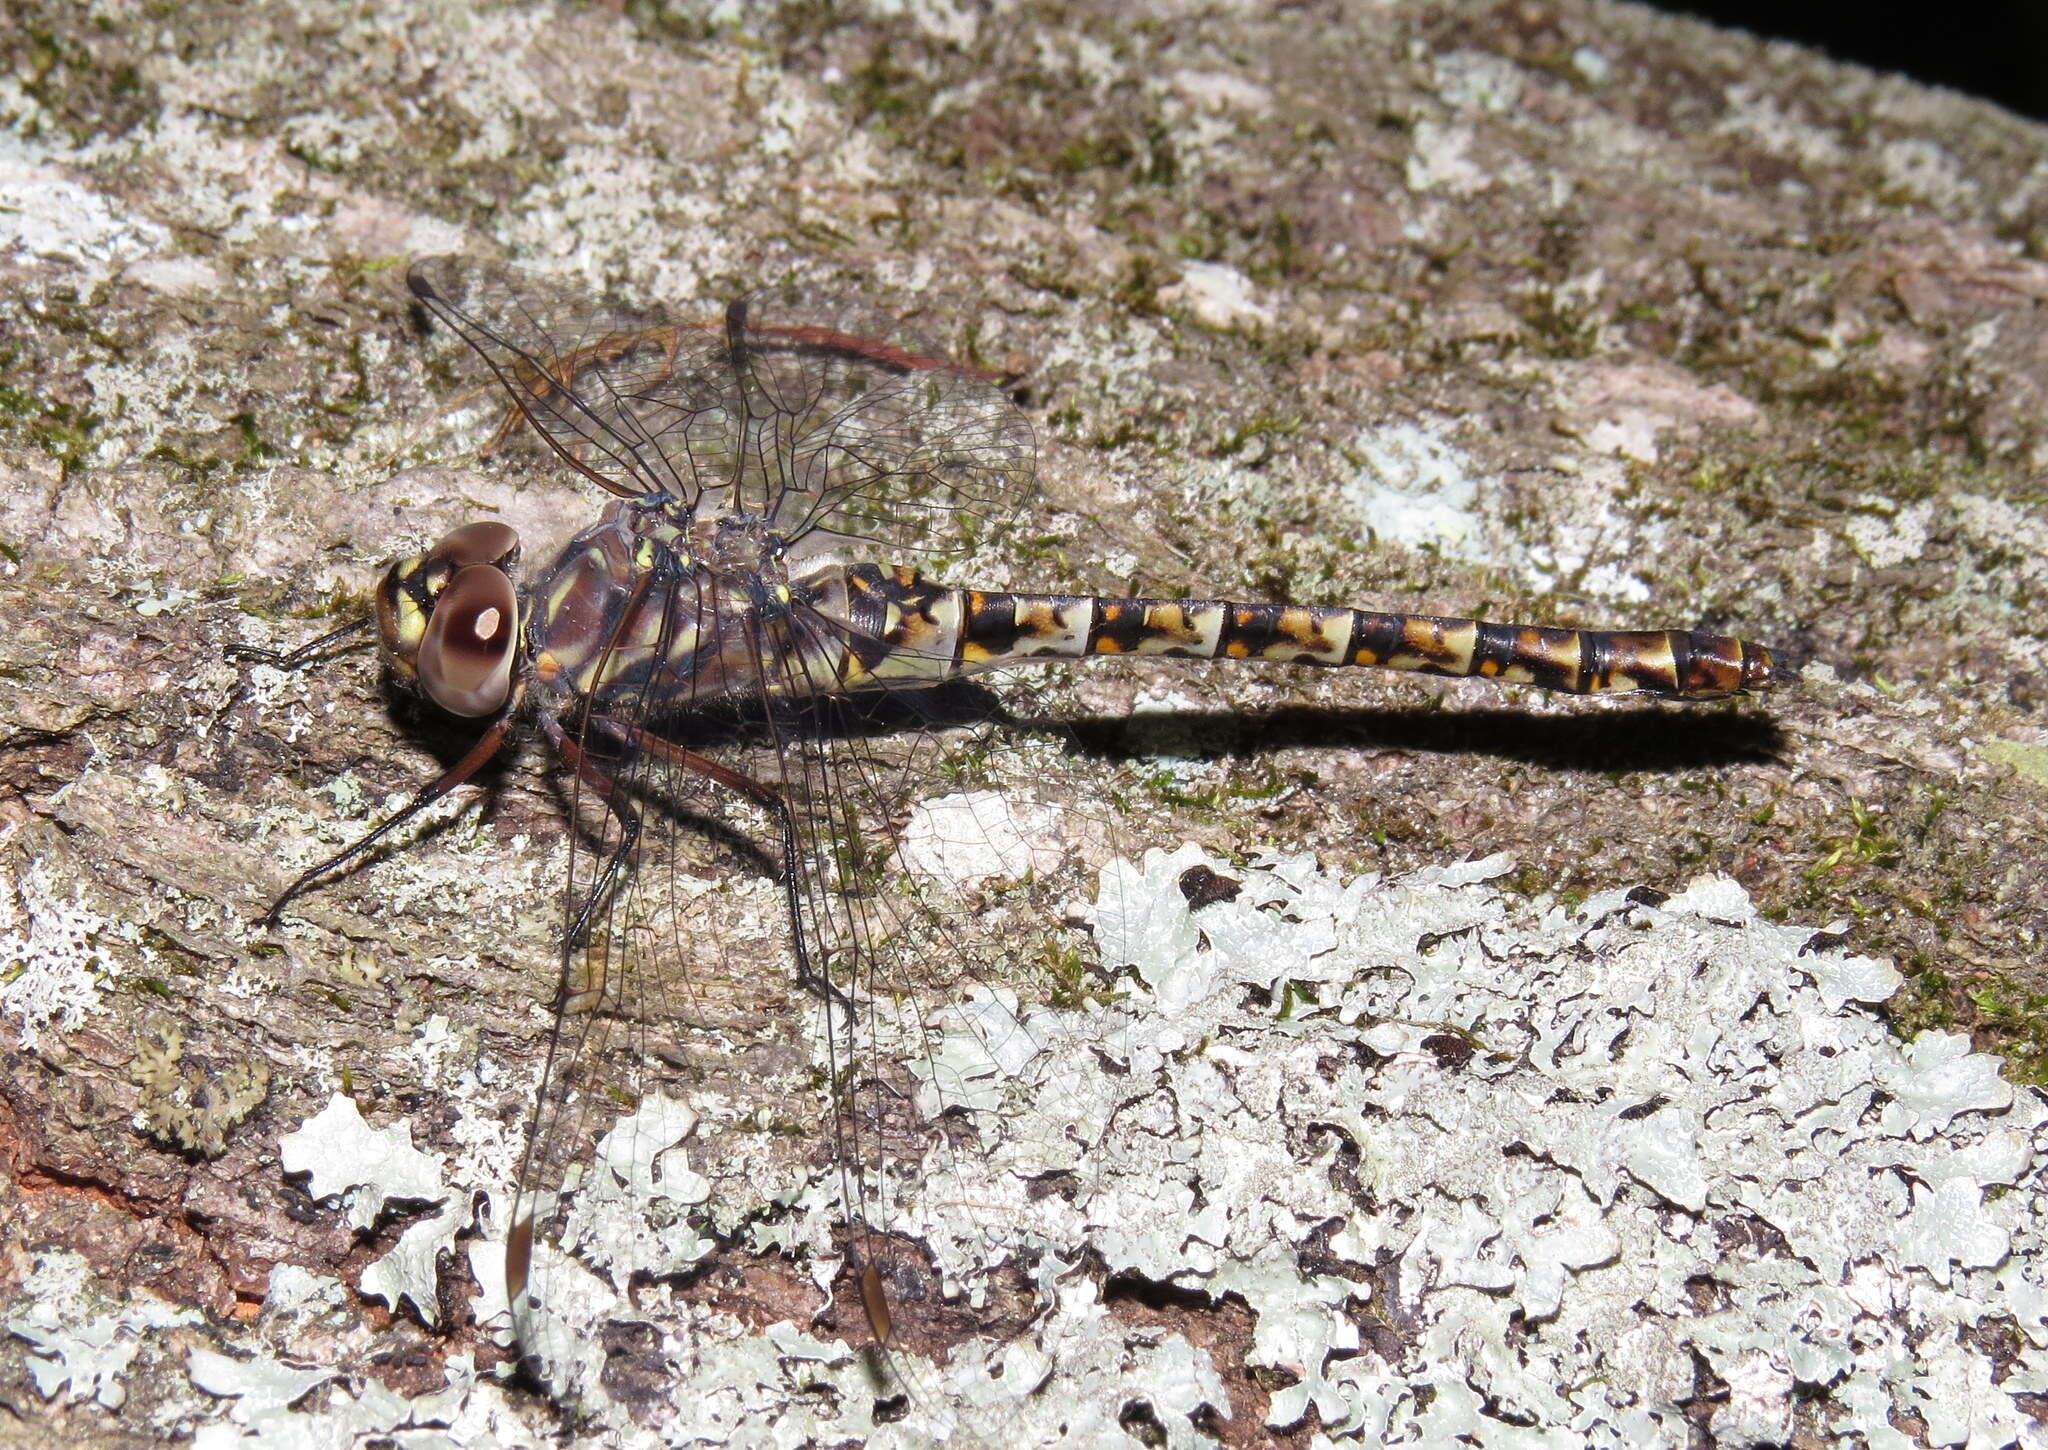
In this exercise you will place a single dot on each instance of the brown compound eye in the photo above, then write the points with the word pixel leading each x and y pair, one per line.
pixel 485 542
pixel 465 658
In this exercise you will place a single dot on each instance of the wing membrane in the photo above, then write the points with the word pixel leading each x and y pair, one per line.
pixel 614 391
pixel 737 816
pixel 824 434
pixel 871 442
pixel 795 801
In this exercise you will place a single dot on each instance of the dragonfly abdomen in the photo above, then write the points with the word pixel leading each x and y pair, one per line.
pixel 922 627
pixel 1678 663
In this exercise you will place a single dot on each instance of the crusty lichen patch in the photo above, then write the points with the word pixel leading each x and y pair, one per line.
pixel 194 1102
pixel 57 954
pixel 1477 1167
pixel 1526 1139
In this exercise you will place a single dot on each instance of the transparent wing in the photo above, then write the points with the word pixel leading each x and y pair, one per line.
pixel 732 845
pixel 775 409
pixel 612 390
pixel 869 440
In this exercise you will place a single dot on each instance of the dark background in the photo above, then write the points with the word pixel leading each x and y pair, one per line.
pixel 1997 49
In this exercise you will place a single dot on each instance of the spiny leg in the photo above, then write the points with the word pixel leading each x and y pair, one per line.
pixel 622 810
pixel 480 755
pixel 320 648
pixel 306 653
pixel 770 800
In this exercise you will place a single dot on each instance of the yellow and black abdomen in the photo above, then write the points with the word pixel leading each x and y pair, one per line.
pixel 1001 628
pixel 902 630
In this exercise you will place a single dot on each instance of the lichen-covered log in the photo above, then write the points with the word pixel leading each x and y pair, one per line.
pixel 1569 314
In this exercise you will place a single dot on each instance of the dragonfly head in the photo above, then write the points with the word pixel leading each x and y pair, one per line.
pixel 449 620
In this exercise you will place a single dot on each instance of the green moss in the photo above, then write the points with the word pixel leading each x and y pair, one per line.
pixel 1138 291
pixel 1276 254
pixel 1070 985
pixel 311 158
pixel 59 430
pixel 1263 426
pixel 1871 844
pixel 65 77
pixel 1214 804
pixel 881 89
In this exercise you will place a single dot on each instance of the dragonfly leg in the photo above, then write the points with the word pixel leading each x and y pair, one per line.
pixel 480 755
pixel 306 653
pixel 808 976
pixel 622 810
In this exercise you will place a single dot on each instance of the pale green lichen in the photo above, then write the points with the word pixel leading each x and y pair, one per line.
pixel 194 1102
pixel 1546 1118
pixel 56 952
pixel 83 1341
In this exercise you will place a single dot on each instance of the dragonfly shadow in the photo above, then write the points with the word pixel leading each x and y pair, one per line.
pixel 1652 738
pixel 667 801
pixel 426 728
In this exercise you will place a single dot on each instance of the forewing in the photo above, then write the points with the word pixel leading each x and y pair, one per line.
pixel 616 392
pixel 815 416
pixel 846 436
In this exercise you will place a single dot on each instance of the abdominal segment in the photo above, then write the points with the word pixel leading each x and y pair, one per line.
pixel 907 630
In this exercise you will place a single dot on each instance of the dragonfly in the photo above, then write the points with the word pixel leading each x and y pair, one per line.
pixel 733 652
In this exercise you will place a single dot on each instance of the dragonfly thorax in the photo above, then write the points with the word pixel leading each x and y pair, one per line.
pixel 656 608
pixel 738 546
pixel 448 620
